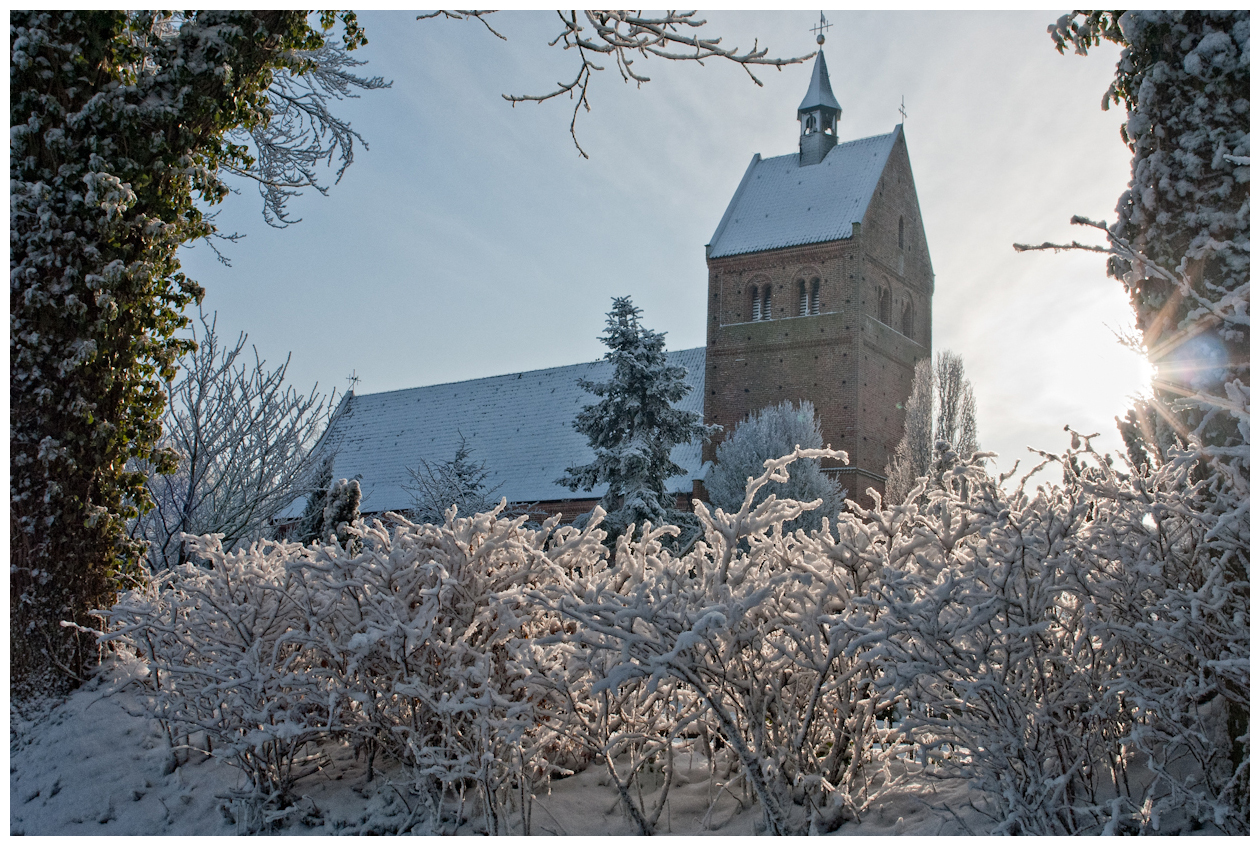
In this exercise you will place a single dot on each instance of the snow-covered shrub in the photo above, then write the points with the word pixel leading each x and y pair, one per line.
pixel 1164 563
pixel 417 633
pixel 219 639
pixel 1080 653
pixel 752 624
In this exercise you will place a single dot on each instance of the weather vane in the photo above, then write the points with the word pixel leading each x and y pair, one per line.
pixel 820 28
pixel 353 379
pixel 903 108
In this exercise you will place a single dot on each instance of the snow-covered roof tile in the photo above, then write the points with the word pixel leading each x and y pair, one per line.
pixel 781 204
pixel 520 425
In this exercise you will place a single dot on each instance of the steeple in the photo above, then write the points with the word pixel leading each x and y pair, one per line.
pixel 818 113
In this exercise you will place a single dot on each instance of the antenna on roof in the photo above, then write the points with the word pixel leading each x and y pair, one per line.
pixel 353 379
pixel 903 108
pixel 819 28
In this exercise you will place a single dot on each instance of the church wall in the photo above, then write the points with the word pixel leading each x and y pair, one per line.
pixel 854 367
pixel 752 364
pixel 901 268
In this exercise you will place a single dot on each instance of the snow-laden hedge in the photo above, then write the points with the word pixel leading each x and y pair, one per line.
pixel 1078 652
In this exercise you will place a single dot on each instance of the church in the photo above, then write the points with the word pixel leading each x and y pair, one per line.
pixel 819 288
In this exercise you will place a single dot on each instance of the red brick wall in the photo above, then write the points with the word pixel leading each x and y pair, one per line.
pixel 855 369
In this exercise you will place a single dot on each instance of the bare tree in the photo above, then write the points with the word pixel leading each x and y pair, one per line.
pixel 244 443
pixel 623 36
pixel 941 408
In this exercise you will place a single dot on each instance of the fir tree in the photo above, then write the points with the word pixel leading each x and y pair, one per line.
pixel 634 426
pixel 460 481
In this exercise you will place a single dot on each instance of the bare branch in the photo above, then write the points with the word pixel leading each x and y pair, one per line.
pixel 464 14
pixel 622 34
pixel 303 134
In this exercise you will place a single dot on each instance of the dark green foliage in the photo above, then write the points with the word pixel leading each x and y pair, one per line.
pixel 634 426
pixel 120 124
pixel 311 524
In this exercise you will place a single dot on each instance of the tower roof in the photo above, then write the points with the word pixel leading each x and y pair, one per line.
pixel 780 204
pixel 819 93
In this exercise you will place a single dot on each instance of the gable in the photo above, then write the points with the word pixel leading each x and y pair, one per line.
pixel 781 204
pixel 520 425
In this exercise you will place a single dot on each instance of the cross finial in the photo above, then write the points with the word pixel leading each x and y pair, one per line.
pixel 903 108
pixel 353 379
pixel 820 28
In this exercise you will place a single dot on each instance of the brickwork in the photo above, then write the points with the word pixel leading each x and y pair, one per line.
pixel 855 369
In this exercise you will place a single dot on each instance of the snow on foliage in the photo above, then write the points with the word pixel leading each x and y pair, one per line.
pixel 768 434
pixel 1074 652
pixel 635 425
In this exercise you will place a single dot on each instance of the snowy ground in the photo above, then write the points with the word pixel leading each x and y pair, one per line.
pixel 93 765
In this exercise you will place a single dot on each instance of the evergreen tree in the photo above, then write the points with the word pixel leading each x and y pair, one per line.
pixel 341 508
pixel 634 426
pixel 311 524
pixel 941 409
pixel 460 482
pixel 773 432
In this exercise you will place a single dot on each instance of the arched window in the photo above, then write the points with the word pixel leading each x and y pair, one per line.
pixel 885 306
pixel 901 233
pixel 803 297
pixel 756 303
pixel 813 295
pixel 766 312
pixel 907 320
pixel 810 124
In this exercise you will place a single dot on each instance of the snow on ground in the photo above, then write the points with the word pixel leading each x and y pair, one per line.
pixel 96 765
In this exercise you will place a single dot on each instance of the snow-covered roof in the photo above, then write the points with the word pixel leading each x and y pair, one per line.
pixel 819 93
pixel 781 204
pixel 520 425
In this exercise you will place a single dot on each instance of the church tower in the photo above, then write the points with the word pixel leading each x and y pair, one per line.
pixel 820 289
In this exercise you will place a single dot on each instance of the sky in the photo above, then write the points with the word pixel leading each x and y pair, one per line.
pixel 472 239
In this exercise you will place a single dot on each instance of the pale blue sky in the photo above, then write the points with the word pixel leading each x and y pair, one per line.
pixel 473 240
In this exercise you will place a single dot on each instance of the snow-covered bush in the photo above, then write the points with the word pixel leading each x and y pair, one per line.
pixel 418 633
pixel 1078 653
pixel 751 624
pixel 224 661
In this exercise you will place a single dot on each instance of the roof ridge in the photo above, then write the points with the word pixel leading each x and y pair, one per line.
pixel 506 375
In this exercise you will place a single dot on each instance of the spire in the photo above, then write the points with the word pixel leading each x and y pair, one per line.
pixel 818 114
pixel 819 93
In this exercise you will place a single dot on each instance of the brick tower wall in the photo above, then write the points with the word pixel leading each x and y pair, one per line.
pixel 853 367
